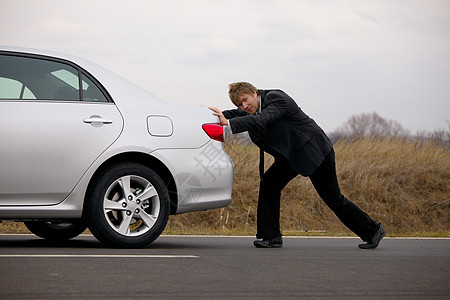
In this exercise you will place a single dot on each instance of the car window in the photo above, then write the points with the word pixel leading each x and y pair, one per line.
pixel 42 79
pixel 91 92
pixel 13 89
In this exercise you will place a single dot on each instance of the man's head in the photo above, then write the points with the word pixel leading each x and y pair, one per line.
pixel 245 96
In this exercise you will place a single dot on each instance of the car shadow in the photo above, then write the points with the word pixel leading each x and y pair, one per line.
pixel 31 241
pixel 89 242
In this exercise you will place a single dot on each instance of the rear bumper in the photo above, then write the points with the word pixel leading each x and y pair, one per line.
pixel 203 176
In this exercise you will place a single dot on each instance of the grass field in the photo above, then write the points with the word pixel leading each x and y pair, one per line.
pixel 401 183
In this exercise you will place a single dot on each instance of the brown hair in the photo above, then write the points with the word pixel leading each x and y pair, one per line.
pixel 239 88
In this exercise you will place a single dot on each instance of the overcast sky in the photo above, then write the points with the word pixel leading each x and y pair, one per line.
pixel 336 58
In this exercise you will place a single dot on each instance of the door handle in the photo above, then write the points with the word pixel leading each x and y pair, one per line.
pixel 97 121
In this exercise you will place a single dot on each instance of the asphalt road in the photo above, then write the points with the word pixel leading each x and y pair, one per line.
pixel 224 267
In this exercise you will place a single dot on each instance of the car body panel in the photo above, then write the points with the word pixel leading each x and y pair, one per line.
pixel 141 123
pixel 39 135
pixel 203 177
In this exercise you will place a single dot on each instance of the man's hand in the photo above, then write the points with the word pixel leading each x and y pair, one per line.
pixel 218 112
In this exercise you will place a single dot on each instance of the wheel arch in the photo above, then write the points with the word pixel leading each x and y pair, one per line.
pixel 147 160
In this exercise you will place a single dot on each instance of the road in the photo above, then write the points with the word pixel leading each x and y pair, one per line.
pixel 224 267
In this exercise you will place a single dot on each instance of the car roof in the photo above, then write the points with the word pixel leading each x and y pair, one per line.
pixel 55 54
pixel 107 77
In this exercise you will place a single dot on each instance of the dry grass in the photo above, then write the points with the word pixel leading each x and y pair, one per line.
pixel 402 184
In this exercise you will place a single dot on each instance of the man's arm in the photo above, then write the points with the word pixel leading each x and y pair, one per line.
pixel 218 112
pixel 274 108
pixel 233 113
pixel 225 115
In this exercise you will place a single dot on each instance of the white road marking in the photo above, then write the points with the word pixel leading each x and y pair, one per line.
pixel 99 255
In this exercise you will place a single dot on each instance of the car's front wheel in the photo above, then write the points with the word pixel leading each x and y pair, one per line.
pixel 127 206
pixel 56 230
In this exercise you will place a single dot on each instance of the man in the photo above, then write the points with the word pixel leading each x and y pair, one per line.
pixel 279 127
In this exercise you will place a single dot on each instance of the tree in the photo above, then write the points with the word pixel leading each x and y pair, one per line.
pixel 370 125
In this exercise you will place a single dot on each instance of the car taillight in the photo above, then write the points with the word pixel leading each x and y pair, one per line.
pixel 214 131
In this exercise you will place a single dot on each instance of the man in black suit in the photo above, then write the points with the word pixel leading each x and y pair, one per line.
pixel 279 127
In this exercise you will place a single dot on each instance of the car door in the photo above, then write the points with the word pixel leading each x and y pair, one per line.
pixel 55 120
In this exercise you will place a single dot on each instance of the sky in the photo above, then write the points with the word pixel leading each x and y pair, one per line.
pixel 336 58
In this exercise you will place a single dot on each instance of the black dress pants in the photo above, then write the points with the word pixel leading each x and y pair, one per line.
pixel 325 182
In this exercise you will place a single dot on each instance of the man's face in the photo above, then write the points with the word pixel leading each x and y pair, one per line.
pixel 248 102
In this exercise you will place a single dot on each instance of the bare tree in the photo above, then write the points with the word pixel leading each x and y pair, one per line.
pixel 439 136
pixel 371 125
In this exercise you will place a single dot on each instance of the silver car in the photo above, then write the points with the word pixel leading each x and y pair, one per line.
pixel 81 146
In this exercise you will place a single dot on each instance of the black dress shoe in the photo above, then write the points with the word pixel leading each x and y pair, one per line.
pixel 375 240
pixel 269 243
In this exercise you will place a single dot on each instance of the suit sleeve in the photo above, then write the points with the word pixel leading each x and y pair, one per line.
pixel 232 113
pixel 275 106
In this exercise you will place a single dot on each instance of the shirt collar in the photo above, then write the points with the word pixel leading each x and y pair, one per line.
pixel 260 104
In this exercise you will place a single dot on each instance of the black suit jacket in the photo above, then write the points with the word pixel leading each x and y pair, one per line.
pixel 283 129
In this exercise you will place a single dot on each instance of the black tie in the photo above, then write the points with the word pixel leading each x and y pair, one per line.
pixel 261 158
pixel 261 163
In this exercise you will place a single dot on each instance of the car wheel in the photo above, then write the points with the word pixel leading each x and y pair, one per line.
pixel 56 230
pixel 127 206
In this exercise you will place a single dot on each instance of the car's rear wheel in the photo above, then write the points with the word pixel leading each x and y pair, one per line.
pixel 127 206
pixel 56 230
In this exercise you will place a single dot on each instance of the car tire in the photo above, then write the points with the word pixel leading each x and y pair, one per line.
pixel 57 230
pixel 127 206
